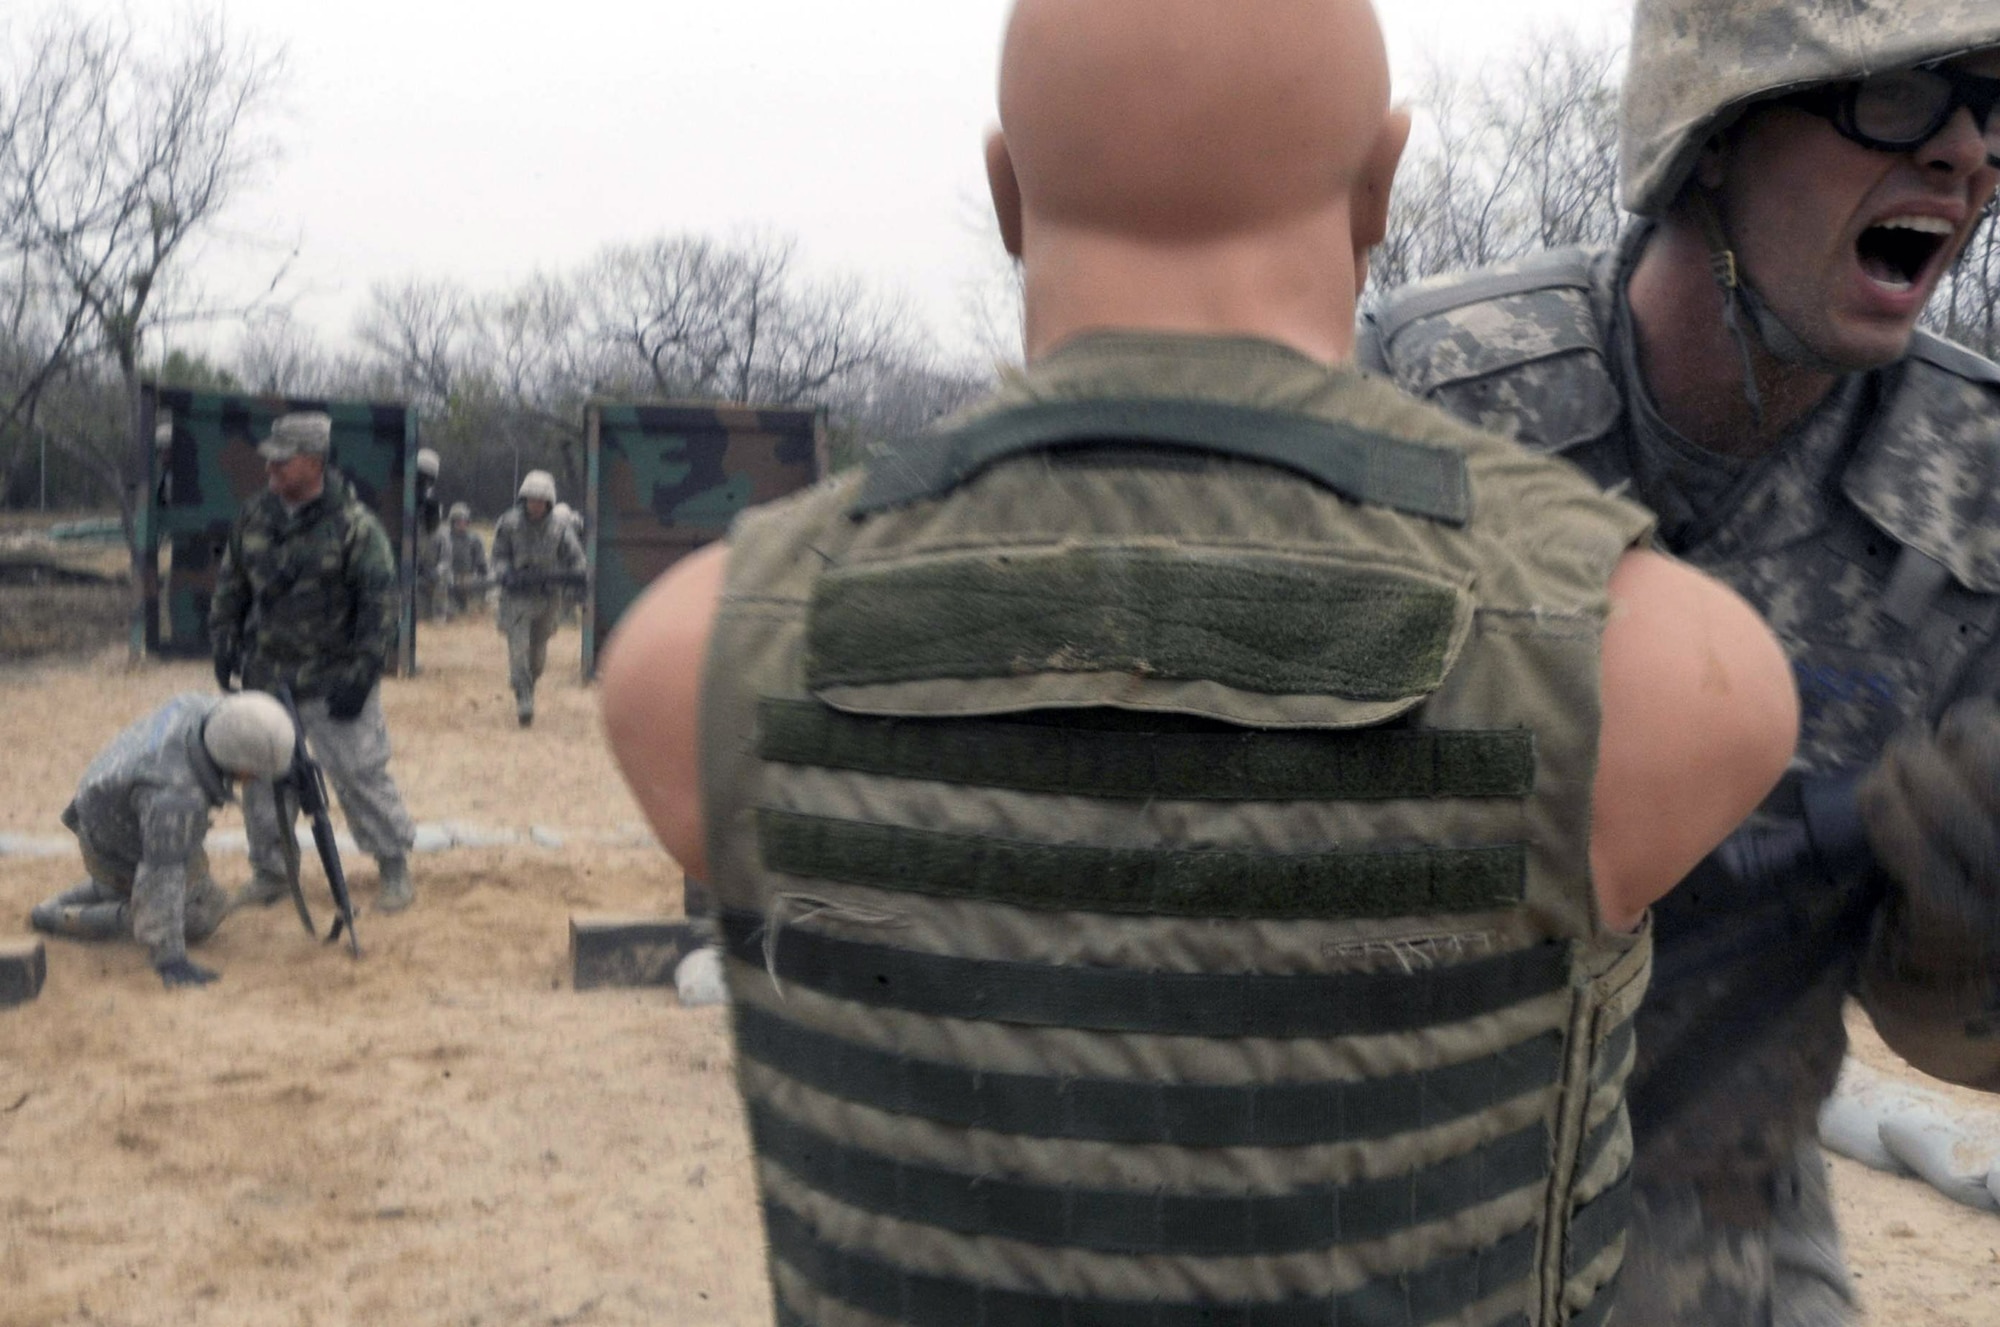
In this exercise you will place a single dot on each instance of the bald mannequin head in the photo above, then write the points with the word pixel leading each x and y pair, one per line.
pixel 1216 166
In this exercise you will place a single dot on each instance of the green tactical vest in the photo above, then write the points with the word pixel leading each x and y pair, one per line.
pixel 1150 824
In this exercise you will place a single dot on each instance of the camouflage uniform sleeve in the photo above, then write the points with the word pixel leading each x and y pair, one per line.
pixel 1947 1027
pixel 171 827
pixel 569 550
pixel 503 549
pixel 231 603
pixel 371 572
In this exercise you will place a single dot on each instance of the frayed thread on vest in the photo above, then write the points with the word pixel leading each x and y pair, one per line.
pixel 811 906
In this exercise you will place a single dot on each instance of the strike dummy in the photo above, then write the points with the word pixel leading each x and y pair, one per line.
pixel 1137 808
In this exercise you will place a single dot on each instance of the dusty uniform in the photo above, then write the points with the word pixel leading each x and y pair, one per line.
pixel 465 566
pixel 139 815
pixel 1154 880
pixel 1870 540
pixel 308 599
pixel 525 551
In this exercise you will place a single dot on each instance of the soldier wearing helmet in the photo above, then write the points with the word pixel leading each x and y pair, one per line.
pixel 140 814
pixel 1747 362
pixel 431 548
pixel 464 566
pixel 534 556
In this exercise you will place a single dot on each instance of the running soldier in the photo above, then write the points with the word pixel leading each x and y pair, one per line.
pixel 306 599
pixel 465 571
pixel 1746 362
pixel 1181 831
pixel 140 814
pixel 430 542
pixel 534 557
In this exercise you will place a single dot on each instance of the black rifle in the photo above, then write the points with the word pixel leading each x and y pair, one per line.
pixel 304 789
pixel 530 580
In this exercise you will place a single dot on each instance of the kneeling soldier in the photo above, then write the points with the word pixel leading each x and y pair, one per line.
pixel 140 815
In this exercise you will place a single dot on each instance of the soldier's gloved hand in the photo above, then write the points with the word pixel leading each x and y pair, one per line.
pixel 180 972
pixel 344 702
pixel 226 666
pixel 1932 809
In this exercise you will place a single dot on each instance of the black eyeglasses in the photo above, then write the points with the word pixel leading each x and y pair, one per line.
pixel 1899 111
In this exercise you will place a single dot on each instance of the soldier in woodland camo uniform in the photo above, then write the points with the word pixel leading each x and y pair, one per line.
pixel 1744 362
pixel 306 598
pixel 533 554
pixel 140 814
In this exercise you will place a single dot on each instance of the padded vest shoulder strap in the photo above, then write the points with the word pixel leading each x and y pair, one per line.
pixel 1418 479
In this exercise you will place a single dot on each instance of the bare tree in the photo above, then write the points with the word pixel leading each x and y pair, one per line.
pixel 419 331
pixel 124 147
pixel 1522 159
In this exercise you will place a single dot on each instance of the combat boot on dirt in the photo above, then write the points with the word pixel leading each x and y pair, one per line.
pixel 262 891
pixel 397 891
pixel 83 913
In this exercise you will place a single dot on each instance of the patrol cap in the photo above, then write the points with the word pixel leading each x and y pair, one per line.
pixel 538 486
pixel 308 432
pixel 1696 65
pixel 460 512
pixel 250 733
pixel 427 462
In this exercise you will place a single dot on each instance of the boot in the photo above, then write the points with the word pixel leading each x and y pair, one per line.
pixel 263 890
pixel 81 921
pixel 397 891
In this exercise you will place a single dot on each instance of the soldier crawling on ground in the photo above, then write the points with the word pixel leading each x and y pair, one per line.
pixel 534 557
pixel 1180 832
pixel 140 814
pixel 1746 362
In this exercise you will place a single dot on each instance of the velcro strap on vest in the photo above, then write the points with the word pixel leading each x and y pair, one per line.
pixel 1166 882
pixel 1253 622
pixel 1144 1222
pixel 1133 1111
pixel 1230 765
pixel 1175 1004
pixel 1418 479
pixel 1440 1290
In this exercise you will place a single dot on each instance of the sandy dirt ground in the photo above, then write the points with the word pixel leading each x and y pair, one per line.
pixel 445 1133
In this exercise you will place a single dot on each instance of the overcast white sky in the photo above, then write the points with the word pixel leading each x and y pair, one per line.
pixel 484 141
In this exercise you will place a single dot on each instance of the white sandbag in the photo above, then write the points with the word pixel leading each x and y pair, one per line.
pixel 1953 1156
pixel 1850 1122
pixel 698 979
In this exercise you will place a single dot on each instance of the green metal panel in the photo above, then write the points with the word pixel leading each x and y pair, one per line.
pixel 664 480
pixel 200 480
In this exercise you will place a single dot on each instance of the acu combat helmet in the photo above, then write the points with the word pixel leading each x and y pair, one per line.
pixel 1696 65
pixel 249 733
pixel 538 486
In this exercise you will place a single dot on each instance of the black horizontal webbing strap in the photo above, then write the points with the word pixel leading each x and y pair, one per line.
pixel 867 1283
pixel 1420 479
pixel 1174 1004
pixel 1321 1217
pixel 1153 881
pixel 1141 1112
pixel 1369 764
pixel 1597 1224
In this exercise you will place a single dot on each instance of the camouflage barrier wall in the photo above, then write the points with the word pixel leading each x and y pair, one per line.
pixel 201 476
pixel 664 480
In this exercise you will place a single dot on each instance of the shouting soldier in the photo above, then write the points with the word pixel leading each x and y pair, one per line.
pixel 1747 363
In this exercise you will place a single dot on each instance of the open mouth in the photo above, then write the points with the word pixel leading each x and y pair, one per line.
pixel 1897 252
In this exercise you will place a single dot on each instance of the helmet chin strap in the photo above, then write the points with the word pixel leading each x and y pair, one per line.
pixel 1740 301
